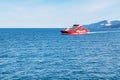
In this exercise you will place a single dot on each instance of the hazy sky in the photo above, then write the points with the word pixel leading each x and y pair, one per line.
pixel 56 13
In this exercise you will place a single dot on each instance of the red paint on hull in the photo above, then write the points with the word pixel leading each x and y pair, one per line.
pixel 76 29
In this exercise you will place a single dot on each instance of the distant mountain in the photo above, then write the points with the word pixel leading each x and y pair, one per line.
pixel 104 24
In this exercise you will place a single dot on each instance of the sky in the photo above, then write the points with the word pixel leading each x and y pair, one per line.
pixel 56 13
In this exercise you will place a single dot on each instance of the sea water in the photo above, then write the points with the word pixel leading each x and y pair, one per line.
pixel 46 54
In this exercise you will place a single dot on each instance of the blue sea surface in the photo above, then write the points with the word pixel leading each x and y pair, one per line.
pixel 46 54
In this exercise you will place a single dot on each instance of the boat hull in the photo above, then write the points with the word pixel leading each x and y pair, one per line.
pixel 76 29
pixel 74 32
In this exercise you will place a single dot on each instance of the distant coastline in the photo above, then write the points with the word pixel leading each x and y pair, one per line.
pixel 105 24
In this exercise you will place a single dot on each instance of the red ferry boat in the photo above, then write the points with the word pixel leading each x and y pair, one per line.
pixel 75 29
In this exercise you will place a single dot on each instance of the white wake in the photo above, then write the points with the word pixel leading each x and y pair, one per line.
pixel 98 32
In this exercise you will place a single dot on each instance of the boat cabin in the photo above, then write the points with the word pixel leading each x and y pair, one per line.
pixel 73 27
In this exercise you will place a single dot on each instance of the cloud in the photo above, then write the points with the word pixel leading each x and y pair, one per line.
pixel 32 14
pixel 95 6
